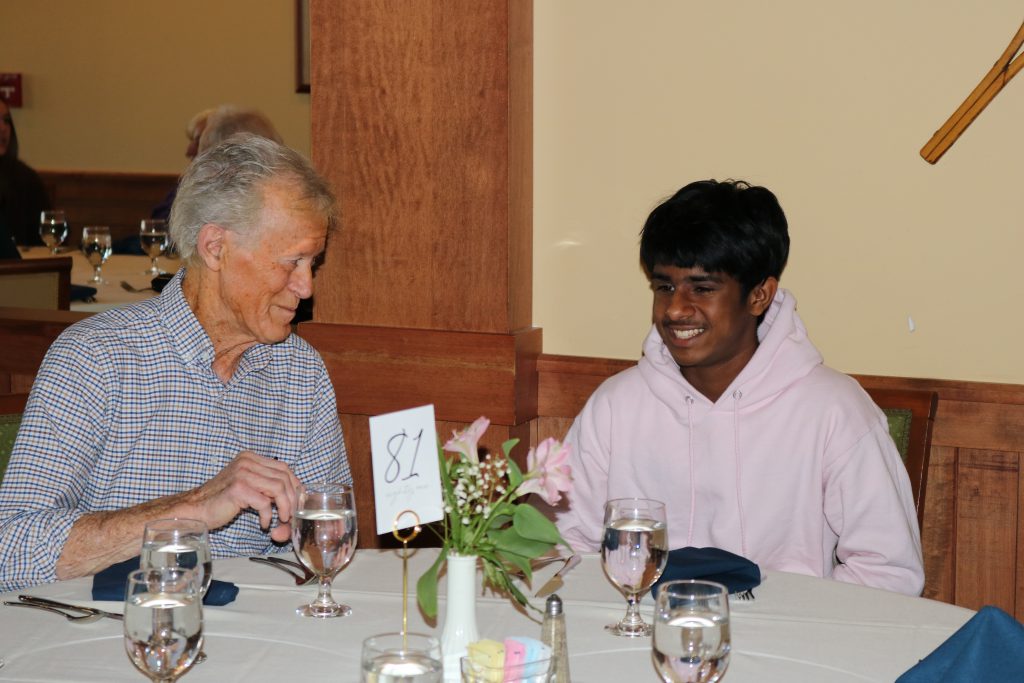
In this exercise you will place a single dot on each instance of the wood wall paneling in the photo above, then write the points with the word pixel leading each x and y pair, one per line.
pixel 986 529
pixel 423 125
pixel 117 200
pixel 464 374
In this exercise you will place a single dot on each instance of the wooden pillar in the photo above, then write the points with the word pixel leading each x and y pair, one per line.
pixel 422 122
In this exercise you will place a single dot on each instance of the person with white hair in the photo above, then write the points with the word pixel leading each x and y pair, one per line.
pixel 199 403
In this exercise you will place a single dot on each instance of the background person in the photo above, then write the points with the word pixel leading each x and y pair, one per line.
pixel 198 403
pixel 22 193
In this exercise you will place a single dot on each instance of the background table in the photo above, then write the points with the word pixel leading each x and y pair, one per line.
pixel 118 268
pixel 797 629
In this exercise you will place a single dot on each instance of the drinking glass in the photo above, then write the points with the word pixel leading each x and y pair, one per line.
pixel 183 543
pixel 163 621
pixel 97 247
pixel 324 539
pixel 691 631
pixel 153 236
pixel 405 657
pixel 634 551
pixel 53 228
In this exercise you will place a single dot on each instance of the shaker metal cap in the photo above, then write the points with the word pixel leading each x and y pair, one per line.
pixel 553 606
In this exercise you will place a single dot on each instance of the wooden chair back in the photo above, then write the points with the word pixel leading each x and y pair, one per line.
pixel 911 414
pixel 36 283
pixel 11 408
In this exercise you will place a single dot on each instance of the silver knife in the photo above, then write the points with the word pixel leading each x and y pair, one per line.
pixel 46 602
pixel 555 582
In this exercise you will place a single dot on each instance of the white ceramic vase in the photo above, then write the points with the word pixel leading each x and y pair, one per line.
pixel 459 614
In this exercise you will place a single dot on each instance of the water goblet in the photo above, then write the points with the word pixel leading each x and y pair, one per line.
pixel 406 657
pixel 324 539
pixel 634 551
pixel 96 246
pixel 53 229
pixel 163 621
pixel 691 631
pixel 153 237
pixel 183 543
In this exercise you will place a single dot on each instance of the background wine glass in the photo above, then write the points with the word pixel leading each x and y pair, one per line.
pixel 183 543
pixel 324 539
pixel 691 631
pixel 407 657
pixel 633 552
pixel 163 621
pixel 53 229
pixel 153 236
pixel 96 246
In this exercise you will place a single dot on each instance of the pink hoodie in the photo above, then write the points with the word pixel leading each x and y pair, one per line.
pixel 792 467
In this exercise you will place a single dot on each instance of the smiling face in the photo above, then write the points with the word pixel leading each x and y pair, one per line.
pixel 264 275
pixel 707 323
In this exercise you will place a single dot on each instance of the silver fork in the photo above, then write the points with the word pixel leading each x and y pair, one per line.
pixel 129 287
pixel 85 618
pixel 744 595
pixel 307 577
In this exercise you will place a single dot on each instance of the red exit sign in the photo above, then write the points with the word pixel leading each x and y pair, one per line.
pixel 10 88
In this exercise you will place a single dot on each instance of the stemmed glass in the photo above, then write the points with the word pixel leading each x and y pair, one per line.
pixel 183 543
pixel 634 551
pixel 153 236
pixel 691 631
pixel 324 539
pixel 96 246
pixel 53 229
pixel 163 621
pixel 407 657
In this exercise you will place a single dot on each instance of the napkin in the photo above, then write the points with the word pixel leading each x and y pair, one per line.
pixel 83 293
pixel 710 564
pixel 109 585
pixel 989 647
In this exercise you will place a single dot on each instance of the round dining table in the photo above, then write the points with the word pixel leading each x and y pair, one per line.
pixel 119 268
pixel 797 628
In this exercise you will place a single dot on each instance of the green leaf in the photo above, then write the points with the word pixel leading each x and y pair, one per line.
pixel 515 475
pixel 507 447
pixel 426 587
pixel 530 523
pixel 520 562
pixel 511 541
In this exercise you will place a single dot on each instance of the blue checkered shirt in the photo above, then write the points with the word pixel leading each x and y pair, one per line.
pixel 126 408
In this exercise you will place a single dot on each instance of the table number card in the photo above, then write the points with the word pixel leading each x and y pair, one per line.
pixel 406 476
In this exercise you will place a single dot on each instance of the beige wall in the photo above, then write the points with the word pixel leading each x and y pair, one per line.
pixel 110 84
pixel 827 104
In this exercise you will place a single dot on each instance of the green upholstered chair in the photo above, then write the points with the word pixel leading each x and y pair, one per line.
pixel 911 414
pixel 11 408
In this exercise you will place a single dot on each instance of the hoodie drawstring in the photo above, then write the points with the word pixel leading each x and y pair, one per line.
pixel 693 488
pixel 736 396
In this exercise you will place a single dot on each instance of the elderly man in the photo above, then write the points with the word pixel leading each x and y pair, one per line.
pixel 199 403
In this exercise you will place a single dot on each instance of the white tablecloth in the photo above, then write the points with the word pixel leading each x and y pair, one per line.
pixel 118 268
pixel 797 629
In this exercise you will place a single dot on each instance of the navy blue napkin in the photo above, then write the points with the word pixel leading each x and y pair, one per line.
pixel 989 647
pixel 737 573
pixel 109 585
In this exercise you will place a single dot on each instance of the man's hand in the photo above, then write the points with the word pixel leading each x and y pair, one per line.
pixel 249 481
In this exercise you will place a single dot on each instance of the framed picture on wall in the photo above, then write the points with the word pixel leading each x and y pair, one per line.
pixel 301 45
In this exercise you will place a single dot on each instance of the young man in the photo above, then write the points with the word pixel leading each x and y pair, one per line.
pixel 732 420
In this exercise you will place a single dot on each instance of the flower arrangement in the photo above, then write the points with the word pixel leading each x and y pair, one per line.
pixel 482 516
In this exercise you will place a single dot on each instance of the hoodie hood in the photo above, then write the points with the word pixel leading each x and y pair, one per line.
pixel 784 356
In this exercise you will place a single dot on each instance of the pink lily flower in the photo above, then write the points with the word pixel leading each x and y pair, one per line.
pixel 465 442
pixel 548 471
